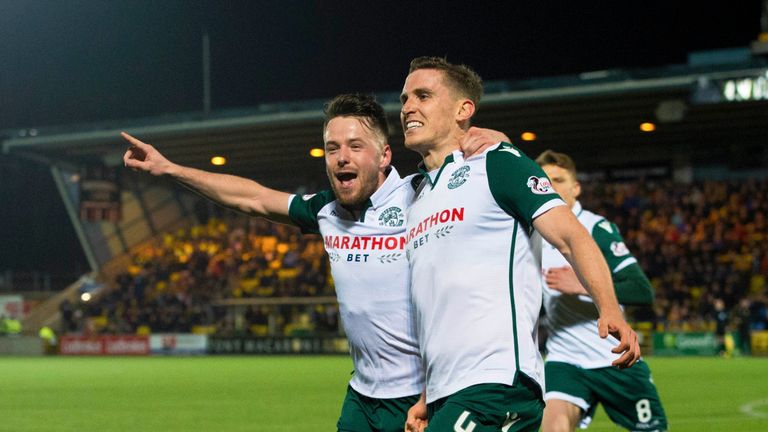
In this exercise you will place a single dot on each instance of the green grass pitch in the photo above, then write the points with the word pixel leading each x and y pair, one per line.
pixel 302 393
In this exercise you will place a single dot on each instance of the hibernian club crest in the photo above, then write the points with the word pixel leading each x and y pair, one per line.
pixel 392 217
pixel 459 177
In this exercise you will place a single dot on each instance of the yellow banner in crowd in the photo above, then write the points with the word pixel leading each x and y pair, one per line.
pixel 760 342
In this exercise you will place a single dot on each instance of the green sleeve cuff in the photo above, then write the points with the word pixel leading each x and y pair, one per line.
pixel 632 286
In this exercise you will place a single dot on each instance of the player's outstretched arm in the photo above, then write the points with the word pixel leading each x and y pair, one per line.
pixel 233 192
pixel 561 229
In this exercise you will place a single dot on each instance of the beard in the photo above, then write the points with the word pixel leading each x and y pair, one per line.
pixel 356 197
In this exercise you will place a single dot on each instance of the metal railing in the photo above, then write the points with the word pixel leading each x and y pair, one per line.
pixel 34 281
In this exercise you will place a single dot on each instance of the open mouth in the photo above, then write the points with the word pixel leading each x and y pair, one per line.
pixel 346 178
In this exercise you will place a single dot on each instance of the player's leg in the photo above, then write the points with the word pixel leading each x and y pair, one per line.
pixel 389 414
pixel 489 408
pixel 561 416
pixel 570 402
pixel 355 412
pixel 630 398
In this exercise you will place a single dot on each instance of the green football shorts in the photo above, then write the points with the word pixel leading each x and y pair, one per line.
pixel 364 414
pixel 489 407
pixel 629 396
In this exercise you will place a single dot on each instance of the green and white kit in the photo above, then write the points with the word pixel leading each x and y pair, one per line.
pixel 372 277
pixel 475 271
pixel 578 367
pixel 572 320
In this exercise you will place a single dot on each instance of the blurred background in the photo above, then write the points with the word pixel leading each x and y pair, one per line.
pixel 663 105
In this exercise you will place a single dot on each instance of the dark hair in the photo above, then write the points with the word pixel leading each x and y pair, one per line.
pixel 358 105
pixel 549 157
pixel 459 77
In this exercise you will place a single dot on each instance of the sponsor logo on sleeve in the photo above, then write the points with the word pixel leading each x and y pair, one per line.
pixel 619 249
pixel 307 197
pixel 459 177
pixel 540 185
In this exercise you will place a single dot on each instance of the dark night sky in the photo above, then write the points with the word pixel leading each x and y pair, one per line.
pixel 78 61
pixel 89 60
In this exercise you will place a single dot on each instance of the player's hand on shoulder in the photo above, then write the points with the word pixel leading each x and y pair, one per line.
pixel 476 140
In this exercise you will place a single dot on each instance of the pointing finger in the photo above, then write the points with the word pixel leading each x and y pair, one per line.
pixel 134 141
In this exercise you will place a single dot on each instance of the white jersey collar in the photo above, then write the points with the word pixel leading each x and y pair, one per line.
pixel 577 209
pixel 458 157
pixel 391 183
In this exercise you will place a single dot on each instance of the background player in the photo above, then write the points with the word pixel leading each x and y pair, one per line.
pixel 578 369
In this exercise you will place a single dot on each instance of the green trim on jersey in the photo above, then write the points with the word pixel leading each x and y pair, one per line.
pixel 607 237
pixel 509 171
pixel 368 204
pixel 512 297
pixel 631 284
pixel 303 212
pixel 448 160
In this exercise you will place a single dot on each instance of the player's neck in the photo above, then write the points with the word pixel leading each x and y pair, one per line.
pixel 435 156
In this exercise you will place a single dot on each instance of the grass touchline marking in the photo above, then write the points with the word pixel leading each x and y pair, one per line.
pixel 749 408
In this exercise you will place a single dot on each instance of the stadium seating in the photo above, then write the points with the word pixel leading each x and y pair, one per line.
pixel 697 242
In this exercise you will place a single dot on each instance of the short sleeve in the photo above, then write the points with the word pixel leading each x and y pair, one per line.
pixel 519 185
pixel 303 210
pixel 608 238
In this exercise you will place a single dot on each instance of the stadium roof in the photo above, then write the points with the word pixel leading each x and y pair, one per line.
pixel 704 112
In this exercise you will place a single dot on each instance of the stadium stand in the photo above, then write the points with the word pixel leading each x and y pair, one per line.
pixel 698 242
pixel 174 282
pixel 698 228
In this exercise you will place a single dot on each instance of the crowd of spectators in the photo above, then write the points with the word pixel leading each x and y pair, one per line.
pixel 699 243
pixel 176 282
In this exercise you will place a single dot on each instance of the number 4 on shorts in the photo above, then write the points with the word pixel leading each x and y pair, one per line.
pixel 459 425
pixel 511 419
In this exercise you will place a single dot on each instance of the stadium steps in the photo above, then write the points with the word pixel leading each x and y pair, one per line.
pixel 47 313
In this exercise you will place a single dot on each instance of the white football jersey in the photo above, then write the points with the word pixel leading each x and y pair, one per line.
pixel 571 320
pixel 372 279
pixel 475 270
